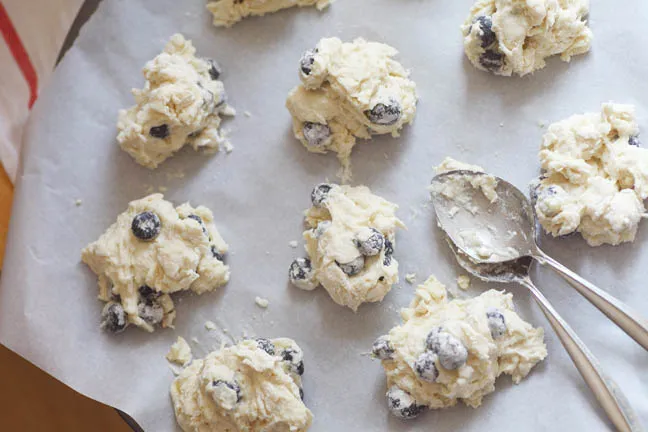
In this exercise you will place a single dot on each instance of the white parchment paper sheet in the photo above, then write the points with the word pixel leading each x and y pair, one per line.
pixel 48 307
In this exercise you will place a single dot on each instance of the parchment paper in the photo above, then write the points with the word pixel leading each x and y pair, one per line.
pixel 48 307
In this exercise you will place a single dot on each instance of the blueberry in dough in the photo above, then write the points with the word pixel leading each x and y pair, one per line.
pixel 402 404
pixel 496 323
pixel 634 141
pixel 451 351
pixel 306 61
pixel 148 294
pixel 151 312
pixel 300 270
pixel 389 251
pixel 316 134
pixel 294 359
pixel 222 386
pixel 491 60
pixel 200 221
pixel 146 226
pixel 382 348
pixel 354 267
pixel 425 366
pixel 301 393
pixel 488 36
pixel 160 132
pixel 216 254
pixel 214 69
pixel 266 345
pixel 384 114
pixel 113 318
pixel 320 193
pixel 371 244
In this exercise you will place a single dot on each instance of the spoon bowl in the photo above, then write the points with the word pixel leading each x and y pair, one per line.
pixel 489 219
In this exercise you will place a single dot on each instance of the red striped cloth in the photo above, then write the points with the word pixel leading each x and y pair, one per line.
pixel 32 35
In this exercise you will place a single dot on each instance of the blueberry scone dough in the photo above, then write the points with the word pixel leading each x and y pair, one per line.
pixel 180 105
pixel 350 243
pixel 595 176
pixel 454 350
pixel 508 37
pixel 228 12
pixel 252 386
pixel 152 251
pixel 349 91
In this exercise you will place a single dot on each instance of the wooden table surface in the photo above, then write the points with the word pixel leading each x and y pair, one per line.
pixel 31 400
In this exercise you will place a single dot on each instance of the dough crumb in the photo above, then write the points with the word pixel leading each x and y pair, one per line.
pixel 293 244
pixel 229 148
pixel 163 188
pixel 210 325
pixel 247 113
pixel 180 352
pixel 261 302
pixel 410 278
pixel 78 202
pixel 463 282
pixel 195 340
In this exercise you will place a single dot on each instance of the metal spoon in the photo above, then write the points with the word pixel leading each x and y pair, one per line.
pixel 606 391
pixel 508 225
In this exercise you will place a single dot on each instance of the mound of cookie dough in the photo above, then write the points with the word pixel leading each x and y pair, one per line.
pixel 152 251
pixel 252 386
pixel 349 91
pixel 350 244
pixel 454 350
pixel 508 37
pixel 595 176
pixel 180 105
pixel 229 12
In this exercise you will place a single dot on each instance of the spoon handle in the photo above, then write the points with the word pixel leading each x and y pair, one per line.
pixel 629 320
pixel 606 391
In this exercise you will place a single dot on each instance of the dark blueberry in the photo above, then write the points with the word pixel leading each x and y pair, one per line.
pixel 425 367
pixel 381 278
pixel 316 134
pixel 306 61
pixel 488 36
pixel 300 270
pixel 295 361
pixel 402 404
pixel 266 345
pixel 148 293
pixel 216 254
pixel 200 221
pixel 146 226
pixel 386 115
pixel 452 353
pixel 301 393
pixel 233 386
pixel 151 312
pixel 496 323
pixel 370 243
pixel 634 141
pixel 354 267
pixel 114 318
pixel 194 134
pixel 491 60
pixel 389 251
pixel 214 69
pixel 320 193
pixel 161 131
pixel 382 348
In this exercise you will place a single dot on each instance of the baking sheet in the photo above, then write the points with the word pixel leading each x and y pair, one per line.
pixel 48 307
